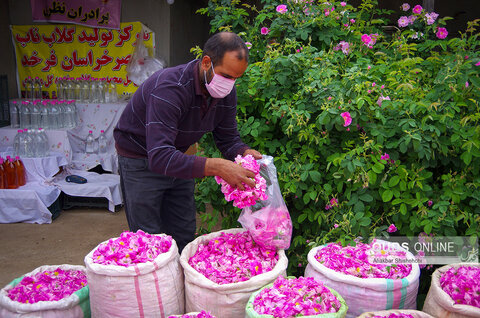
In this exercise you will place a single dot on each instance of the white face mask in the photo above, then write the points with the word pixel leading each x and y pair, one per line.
pixel 219 86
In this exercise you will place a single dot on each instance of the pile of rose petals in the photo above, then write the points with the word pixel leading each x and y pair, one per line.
pixel 231 258
pixel 303 296
pixel 132 248
pixel 356 261
pixel 48 286
pixel 462 284
pixel 249 196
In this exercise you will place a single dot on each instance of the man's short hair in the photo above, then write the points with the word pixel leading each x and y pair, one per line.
pixel 220 43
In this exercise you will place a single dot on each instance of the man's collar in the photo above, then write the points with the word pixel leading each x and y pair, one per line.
pixel 196 79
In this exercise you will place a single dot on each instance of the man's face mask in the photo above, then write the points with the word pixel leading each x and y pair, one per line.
pixel 219 86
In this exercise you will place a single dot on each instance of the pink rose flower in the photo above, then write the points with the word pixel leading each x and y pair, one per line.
pixel 392 228
pixel 343 4
pixel 347 118
pixel 417 9
pixel 264 30
pixel 282 8
pixel 405 7
pixel 403 21
pixel 442 33
pixel 431 17
pixel 385 156
pixel 249 45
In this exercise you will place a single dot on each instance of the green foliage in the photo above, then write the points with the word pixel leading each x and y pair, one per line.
pixel 299 82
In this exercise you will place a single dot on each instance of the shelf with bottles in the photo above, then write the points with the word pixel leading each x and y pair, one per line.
pixel 46 114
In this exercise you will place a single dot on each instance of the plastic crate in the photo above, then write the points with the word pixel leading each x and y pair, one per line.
pixel 70 202
pixel 4 104
pixel 55 208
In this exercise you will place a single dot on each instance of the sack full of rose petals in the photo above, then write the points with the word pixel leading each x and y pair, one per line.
pixel 396 313
pixel 454 291
pixel 268 221
pixel 49 291
pixel 222 269
pixel 135 275
pixel 364 275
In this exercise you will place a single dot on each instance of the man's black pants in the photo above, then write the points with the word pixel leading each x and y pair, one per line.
pixel 157 203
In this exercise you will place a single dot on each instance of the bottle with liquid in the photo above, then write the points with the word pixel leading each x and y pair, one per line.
pixel 61 113
pixel 26 144
pixel 90 143
pixel 17 142
pixel 20 168
pixel 44 113
pixel 102 142
pixel 25 112
pixel 35 115
pixel 44 142
pixel 11 173
pixel 54 115
pixel 14 115
pixel 3 181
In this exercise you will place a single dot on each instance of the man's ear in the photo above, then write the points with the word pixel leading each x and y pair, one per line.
pixel 206 63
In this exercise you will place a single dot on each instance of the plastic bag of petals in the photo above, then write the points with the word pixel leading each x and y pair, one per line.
pixel 268 221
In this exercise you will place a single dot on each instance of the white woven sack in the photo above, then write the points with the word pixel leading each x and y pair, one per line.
pixel 228 300
pixel 190 313
pixel 439 304
pixel 413 313
pixel 368 294
pixel 152 289
pixel 74 306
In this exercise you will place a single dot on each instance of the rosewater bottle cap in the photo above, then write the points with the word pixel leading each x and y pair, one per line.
pixel 20 131
pixel 102 131
pixel 90 131
pixel 17 158
pixel 14 102
pixel 25 130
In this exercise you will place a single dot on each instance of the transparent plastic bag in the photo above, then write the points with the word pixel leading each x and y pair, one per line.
pixel 141 66
pixel 268 221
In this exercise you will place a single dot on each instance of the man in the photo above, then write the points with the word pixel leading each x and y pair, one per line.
pixel 168 113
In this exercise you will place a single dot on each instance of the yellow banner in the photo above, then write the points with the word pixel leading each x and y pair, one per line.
pixel 65 51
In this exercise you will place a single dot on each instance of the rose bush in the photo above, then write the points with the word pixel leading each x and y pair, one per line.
pixel 380 115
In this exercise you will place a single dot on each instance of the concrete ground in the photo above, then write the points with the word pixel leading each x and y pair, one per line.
pixel 66 240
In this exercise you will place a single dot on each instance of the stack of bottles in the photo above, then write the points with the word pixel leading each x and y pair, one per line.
pixel 94 146
pixel 31 143
pixel 12 173
pixel 93 90
pixel 46 114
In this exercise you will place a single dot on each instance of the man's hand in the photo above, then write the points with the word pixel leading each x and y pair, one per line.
pixel 257 155
pixel 233 173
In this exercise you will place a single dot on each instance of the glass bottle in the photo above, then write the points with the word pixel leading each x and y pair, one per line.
pixel 90 143
pixel 102 142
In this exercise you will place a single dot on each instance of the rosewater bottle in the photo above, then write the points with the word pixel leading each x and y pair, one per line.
pixel 20 168
pixel 102 142
pixel 14 115
pixel 25 112
pixel 45 145
pixel 90 143
pixel 3 177
pixel 44 113
pixel 11 173
pixel 35 115
pixel 17 142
